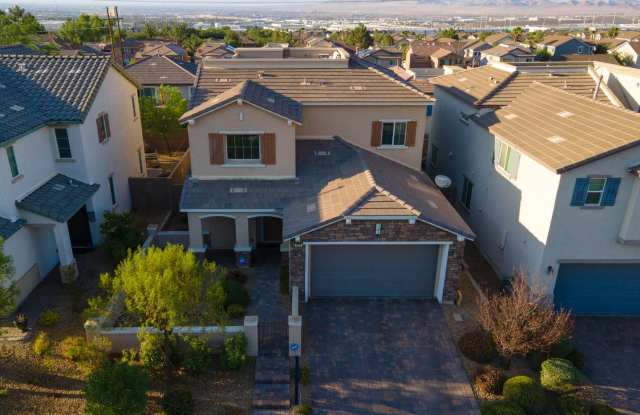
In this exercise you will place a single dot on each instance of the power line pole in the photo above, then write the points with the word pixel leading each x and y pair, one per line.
pixel 117 49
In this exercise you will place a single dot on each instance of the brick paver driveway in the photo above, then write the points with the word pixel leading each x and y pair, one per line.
pixel 384 357
pixel 611 347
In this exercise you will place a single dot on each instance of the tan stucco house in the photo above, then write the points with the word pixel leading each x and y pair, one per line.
pixel 322 156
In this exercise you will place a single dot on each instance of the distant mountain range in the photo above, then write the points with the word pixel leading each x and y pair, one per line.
pixel 534 3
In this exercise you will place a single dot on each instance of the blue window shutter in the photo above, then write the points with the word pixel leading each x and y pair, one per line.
pixel 580 191
pixel 610 191
pixel 429 110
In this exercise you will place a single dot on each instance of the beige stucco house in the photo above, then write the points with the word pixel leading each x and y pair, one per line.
pixel 312 152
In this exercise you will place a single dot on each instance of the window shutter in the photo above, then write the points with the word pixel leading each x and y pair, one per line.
pixel 268 148
pixel 376 134
pixel 216 148
pixel 610 191
pixel 101 136
pixel 580 191
pixel 107 127
pixel 411 134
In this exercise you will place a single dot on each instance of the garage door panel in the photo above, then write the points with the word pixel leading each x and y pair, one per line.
pixel 599 289
pixel 373 270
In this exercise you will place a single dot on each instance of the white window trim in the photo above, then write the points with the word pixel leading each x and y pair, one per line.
pixel 55 140
pixel 393 134
pixel 502 170
pixel 604 186
pixel 242 162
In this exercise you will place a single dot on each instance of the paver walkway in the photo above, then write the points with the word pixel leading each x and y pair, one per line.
pixel 384 357
pixel 611 347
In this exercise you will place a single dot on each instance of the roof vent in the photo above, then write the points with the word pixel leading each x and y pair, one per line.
pixel 22 67
pixel 511 116
pixel 260 74
pixel 237 190
pixel 556 139
pixel 163 77
pixel 463 79
pixel 442 181
pixel 271 100
pixel 305 82
pixel 58 187
pixel 16 107
pixel 222 80
pixel 565 114
pixel 153 64
pixel 322 153
pixel 357 87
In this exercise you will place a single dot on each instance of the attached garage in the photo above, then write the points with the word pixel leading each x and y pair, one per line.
pixel 373 270
pixel 599 289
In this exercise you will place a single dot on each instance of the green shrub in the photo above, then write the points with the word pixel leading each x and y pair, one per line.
pixel 236 275
pixel 525 392
pixel 72 347
pixel 234 352
pixel 177 402
pixel 198 356
pixel 559 375
pixel 577 358
pixel 236 311
pixel 602 409
pixel 151 354
pixel 284 279
pixel 48 318
pixel 303 409
pixel 89 355
pixel 129 356
pixel 120 234
pixel 571 404
pixel 117 389
pixel 478 346
pixel 489 381
pixel 42 344
pixel 501 408
pixel 562 349
pixel 234 293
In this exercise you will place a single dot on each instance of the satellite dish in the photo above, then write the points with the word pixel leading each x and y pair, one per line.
pixel 443 181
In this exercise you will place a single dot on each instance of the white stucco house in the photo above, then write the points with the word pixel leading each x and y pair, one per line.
pixel 70 138
pixel 546 174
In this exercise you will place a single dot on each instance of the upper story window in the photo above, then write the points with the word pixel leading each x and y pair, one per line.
pixel 506 159
pixel 13 164
pixel 595 191
pixel 243 147
pixel 394 133
pixel 104 129
pixel 150 92
pixel 62 143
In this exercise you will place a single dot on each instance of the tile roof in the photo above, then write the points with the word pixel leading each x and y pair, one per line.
pixel 18 50
pixel 40 89
pixel 161 70
pixel 253 93
pixel 502 50
pixel 8 227
pixel 59 198
pixel 355 84
pixel 334 179
pixel 158 47
pixel 497 37
pixel 493 86
pixel 562 130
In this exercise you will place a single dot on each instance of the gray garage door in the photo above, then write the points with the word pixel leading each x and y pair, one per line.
pixel 373 270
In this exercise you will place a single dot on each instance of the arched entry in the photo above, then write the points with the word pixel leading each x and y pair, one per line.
pixel 266 230
pixel 219 231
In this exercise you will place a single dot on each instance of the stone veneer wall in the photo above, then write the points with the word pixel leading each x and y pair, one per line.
pixel 360 230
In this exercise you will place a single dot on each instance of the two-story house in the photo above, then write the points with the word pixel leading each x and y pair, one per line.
pixel 154 71
pixel 559 45
pixel 506 53
pixel 321 155
pixel 544 165
pixel 386 57
pixel 70 138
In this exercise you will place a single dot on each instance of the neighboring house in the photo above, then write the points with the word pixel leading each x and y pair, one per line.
pixel 557 45
pixel 70 138
pixel 628 35
pixel 322 157
pixel 129 48
pixel 547 177
pixel 162 48
pixel 422 56
pixel 319 42
pixel 386 57
pixel 152 72
pixel 473 49
pixel 628 50
pixel 506 53
pixel 215 50
pixel 498 38
pixel 623 81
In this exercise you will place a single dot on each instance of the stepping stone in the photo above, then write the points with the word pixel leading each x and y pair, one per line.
pixel 270 396
pixel 272 370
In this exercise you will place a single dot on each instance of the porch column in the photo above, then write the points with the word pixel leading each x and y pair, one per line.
pixel 243 243
pixel 68 267
pixel 441 271
pixel 196 240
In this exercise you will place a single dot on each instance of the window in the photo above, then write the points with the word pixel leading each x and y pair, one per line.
pixel 149 92
pixel 243 147
pixel 507 159
pixel 13 164
pixel 580 50
pixel 467 190
pixel 140 161
pixel 133 106
pixel 62 143
pixel 394 133
pixel 104 129
pixel 434 155
pixel 595 191
pixel 112 190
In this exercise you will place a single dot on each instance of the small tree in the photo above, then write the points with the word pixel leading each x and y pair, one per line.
pixel 120 234
pixel 523 320
pixel 170 287
pixel 613 32
pixel 517 33
pixel 360 37
pixel 160 115
pixel 449 32
pixel 117 389
pixel 8 291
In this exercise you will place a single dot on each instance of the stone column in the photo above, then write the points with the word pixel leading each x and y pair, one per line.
pixel 68 266
pixel 196 240
pixel 243 243
pixel 251 333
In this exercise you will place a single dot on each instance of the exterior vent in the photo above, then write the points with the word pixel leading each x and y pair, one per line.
pixel 556 139
pixel 565 114
pixel 153 64
pixel 463 79
pixel 58 187
pixel 238 190
pixel 222 80
pixel 163 77
pixel 305 82
pixel 357 87
pixel 16 107
pixel 322 153
pixel 271 100
pixel 22 67
pixel 511 116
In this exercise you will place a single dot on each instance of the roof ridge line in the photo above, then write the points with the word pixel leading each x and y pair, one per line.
pixel 403 84
pixel 176 64
pixel 499 86
pixel 582 97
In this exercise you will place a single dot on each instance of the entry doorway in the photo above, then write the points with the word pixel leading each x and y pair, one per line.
pixel 268 230
pixel 80 231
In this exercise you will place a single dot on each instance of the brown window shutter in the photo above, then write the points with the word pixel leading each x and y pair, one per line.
pixel 101 136
pixel 216 148
pixel 268 148
pixel 411 133
pixel 376 134
pixel 107 127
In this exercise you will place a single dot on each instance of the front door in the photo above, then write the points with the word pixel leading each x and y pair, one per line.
pixel 80 231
